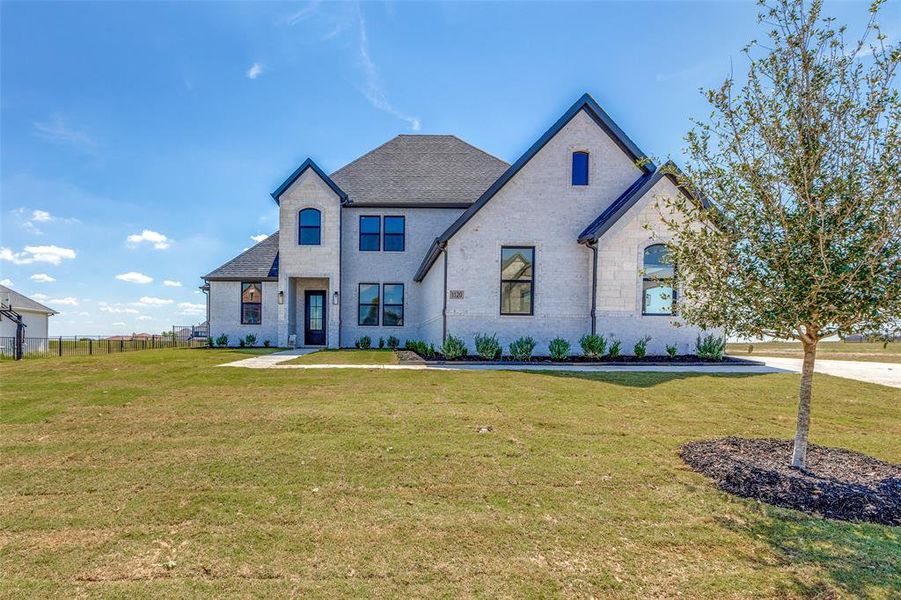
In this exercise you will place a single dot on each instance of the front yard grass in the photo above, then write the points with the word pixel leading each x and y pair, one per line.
pixel 858 351
pixel 156 474
pixel 346 357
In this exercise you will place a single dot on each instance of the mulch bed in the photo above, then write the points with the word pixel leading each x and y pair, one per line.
pixel 839 484
pixel 685 359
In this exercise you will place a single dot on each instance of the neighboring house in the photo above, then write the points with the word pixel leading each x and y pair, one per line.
pixel 427 236
pixel 34 315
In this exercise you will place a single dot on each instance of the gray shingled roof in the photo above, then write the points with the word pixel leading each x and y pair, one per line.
pixel 258 262
pixel 420 169
pixel 20 302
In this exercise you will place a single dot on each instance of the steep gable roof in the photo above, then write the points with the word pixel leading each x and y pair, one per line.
pixel 594 110
pixel 308 164
pixel 22 302
pixel 631 196
pixel 257 262
pixel 420 170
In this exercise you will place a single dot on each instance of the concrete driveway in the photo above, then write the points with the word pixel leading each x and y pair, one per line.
pixel 871 372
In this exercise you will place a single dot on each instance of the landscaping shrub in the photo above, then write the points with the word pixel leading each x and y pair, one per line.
pixel 393 342
pixel 641 347
pixel 488 347
pixel 265 343
pixel 222 340
pixel 710 347
pixel 671 350
pixel 593 346
pixel 614 350
pixel 363 343
pixel 453 347
pixel 250 339
pixel 381 343
pixel 521 348
pixel 558 348
pixel 421 348
pixel 242 342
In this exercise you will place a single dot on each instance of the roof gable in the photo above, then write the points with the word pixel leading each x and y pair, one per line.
pixel 257 262
pixel 308 164
pixel 19 301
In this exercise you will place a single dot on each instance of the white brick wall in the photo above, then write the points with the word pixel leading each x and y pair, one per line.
pixel 225 312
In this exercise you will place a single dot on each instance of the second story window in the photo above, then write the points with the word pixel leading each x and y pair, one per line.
pixel 309 227
pixel 580 168
pixel 394 234
pixel 370 233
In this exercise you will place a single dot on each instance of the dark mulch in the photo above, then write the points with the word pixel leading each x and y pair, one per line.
pixel 839 484
pixel 685 359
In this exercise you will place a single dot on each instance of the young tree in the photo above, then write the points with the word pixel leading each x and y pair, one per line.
pixel 802 163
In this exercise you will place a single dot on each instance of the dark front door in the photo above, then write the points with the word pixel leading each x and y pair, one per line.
pixel 314 318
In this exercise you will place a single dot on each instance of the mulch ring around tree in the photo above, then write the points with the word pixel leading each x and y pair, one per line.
pixel 839 484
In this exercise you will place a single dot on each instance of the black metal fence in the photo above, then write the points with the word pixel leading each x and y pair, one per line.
pixel 89 345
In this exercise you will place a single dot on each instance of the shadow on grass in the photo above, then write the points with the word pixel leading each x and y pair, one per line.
pixel 640 379
pixel 860 559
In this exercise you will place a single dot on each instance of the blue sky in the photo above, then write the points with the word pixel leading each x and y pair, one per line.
pixel 139 141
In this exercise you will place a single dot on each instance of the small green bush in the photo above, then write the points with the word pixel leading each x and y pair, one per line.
pixel 222 341
pixel 558 348
pixel 381 343
pixel 593 346
pixel 393 342
pixel 421 348
pixel 614 350
pixel 641 347
pixel 671 350
pixel 453 347
pixel 242 342
pixel 521 348
pixel 487 346
pixel 250 339
pixel 265 343
pixel 710 347
pixel 363 343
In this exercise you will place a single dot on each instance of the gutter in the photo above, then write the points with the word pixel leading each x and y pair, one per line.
pixel 593 246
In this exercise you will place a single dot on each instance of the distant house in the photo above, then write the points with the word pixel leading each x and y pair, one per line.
pixel 427 236
pixel 35 317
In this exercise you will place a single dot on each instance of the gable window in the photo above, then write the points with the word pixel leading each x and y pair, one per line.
pixel 310 227
pixel 393 304
pixel 580 168
pixel 517 280
pixel 394 234
pixel 368 304
pixel 251 303
pixel 370 232
pixel 658 295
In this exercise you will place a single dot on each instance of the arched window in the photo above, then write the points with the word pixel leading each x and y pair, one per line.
pixel 310 227
pixel 658 296
pixel 580 168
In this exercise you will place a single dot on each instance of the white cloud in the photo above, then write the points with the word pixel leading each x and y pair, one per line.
pixel 189 308
pixel 308 9
pixel 7 282
pixel 171 283
pixel 68 301
pixel 42 277
pixel 159 241
pixel 259 237
pixel 58 131
pixel 32 254
pixel 151 301
pixel 41 216
pixel 372 87
pixel 120 323
pixel 255 70
pixel 117 309
pixel 145 318
pixel 134 277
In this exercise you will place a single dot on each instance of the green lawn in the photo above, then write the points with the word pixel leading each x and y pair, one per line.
pixel 862 351
pixel 156 474
pixel 346 357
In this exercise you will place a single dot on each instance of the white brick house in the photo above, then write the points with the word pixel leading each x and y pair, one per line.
pixel 427 236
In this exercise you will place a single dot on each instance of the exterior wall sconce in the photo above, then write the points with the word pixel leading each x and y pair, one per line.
pixel 335 298
pixel 281 297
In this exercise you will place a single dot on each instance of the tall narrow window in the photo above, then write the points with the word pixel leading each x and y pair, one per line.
pixel 251 303
pixel 580 168
pixel 370 232
pixel 658 296
pixel 394 234
pixel 310 223
pixel 368 304
pixel 517 280
pixel 393 304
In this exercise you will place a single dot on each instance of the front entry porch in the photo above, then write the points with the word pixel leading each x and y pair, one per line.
pixel 312 317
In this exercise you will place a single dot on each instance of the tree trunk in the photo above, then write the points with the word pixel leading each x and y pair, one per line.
pixel 799 454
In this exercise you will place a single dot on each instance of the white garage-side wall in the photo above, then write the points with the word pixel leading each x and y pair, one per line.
pixel 538 207
pixel 225 313
pixel 431 292
pixel 36 324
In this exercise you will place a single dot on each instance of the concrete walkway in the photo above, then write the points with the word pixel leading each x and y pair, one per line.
pixel 268 361
pixel 871 372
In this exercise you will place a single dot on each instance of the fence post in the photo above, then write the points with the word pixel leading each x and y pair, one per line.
pixel 60 345
pixel 121 345
pixel 90 346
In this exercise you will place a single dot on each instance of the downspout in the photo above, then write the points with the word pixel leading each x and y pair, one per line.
pixel 594 286
pixel 444 307
pixel 340 271
pixel 205 288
